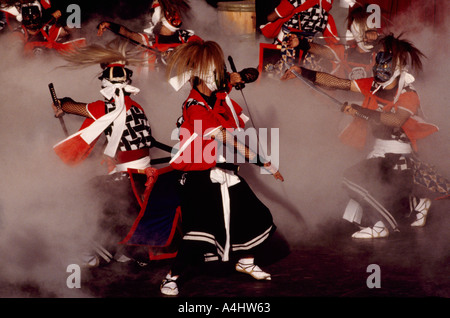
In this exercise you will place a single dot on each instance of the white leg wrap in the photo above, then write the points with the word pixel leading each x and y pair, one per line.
pixel 353 212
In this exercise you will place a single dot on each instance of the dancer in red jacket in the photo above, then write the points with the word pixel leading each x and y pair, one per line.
pixel 353 60
pixel 39 36
pixel 392 170
pixel 126 128
pixel 222 217
pixel 306 17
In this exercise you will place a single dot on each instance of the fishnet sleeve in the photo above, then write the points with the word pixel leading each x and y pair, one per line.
pixel 322 50
pixel 68 105
pixel 332 82
pixel 231 141
pixel 396 119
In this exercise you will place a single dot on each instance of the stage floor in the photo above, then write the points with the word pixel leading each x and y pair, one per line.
pixel 327 271
pixel 412 263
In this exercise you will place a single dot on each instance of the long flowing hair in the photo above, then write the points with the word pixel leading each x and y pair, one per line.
pixel 116 51
pixel 403 51
pixel 199 59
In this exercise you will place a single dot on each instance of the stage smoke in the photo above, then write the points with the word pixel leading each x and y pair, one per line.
pixel 48 213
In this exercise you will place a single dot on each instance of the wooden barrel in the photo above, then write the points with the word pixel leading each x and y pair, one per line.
pixel 237 18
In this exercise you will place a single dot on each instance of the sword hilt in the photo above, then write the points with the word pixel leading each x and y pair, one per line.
pixel 238 86
pixel 53 94
pixel 58 105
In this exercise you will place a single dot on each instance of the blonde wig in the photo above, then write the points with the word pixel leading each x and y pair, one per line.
pixel 114 52
pixel 198 60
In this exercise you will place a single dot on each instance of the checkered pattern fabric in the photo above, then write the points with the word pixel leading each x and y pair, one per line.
pixel 137 134
pixel 426 175
pixel 312 20
pixel 402 164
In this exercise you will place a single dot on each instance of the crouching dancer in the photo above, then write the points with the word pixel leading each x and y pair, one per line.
pixel 128 140
pixel 222 217
pixel 392 171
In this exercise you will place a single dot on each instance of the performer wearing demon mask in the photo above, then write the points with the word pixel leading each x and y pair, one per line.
pixel 39 36
pixel 222 217
pixel 163 34
pixel 11 16
pixel 392 170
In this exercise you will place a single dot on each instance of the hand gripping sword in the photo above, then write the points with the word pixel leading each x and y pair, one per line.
pixel 239 86
pixel 58 105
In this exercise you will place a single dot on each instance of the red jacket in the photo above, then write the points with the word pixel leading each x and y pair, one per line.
pixel 414 127
pixel 73 150
pixel 286 10
pixel 201 118
pixel 49 38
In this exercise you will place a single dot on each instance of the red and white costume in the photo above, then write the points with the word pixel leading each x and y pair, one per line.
pixel 127 131
pixel 221 214
pixel 405 97
pixel 391 172
pixel 351 64
pixel 310 16
pixel 49 37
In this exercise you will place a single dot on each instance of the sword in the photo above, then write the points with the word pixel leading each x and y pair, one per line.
pixel 136 42
pixel 317 89
pixel 239 87
pixel 334 100
pixel 58 105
